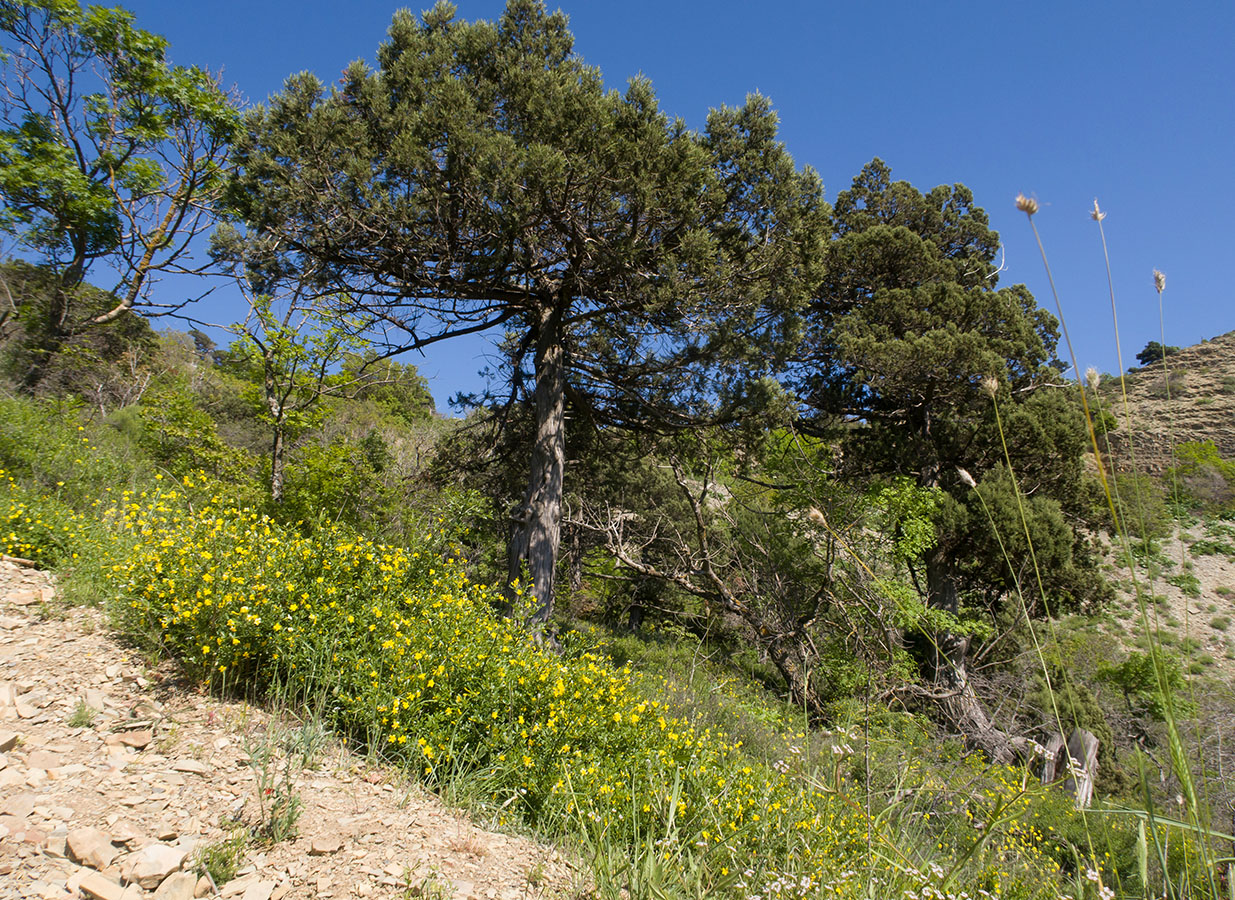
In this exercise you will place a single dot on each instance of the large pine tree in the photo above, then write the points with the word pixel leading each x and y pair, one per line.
pixel 482 179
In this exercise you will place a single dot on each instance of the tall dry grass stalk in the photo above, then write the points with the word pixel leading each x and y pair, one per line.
pixel 1179 759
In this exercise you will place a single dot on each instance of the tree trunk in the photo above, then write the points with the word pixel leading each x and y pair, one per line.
pixel 57 328
pixel 276 465
pixel 274 403
pixel 959 702
pixel 54 335
pixel 536 524
pixel 786 654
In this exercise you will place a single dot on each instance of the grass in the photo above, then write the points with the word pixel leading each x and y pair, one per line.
pixel 1206 875
pixel 83 715
pixel 405 658
pixel 687 782
pixel 220 860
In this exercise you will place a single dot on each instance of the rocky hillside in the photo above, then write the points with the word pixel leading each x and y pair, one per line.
pixel 1199 406
pixel 118 781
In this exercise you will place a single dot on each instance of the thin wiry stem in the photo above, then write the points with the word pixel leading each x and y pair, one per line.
pixel 1175 743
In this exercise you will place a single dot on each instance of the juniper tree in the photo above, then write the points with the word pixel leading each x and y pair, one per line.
pixel 909 346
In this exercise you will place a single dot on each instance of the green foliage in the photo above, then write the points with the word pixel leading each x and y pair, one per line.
pixel 37 528
pixel 1147 681
pixel 276 765
pixel 1155 352
pixel 925 370
pixel 1207 479
pixel 1006 559
pixel 181 438
pixel 221 859
pixel 398 389
pixel 337 481
pixel 105 367
pixel 47 447
pixel 647 272
pixel 106 152
pixel 903 514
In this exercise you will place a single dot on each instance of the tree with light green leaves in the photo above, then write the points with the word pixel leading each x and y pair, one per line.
pixel 481 179
pixel 110 157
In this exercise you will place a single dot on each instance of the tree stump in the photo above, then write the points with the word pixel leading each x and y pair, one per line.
pixel 1073 765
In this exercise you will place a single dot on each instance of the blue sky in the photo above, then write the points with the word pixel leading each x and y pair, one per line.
pixel 1130 102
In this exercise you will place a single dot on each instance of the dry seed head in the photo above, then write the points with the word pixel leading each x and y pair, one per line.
pixel 1094 379
pixel 1027 205
pixel 966 477
pixel 990 384
pixel 1159 281
pixel 816 516
pixel 1097 215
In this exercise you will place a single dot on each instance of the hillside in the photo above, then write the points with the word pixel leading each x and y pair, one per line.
pixel 1200 406
pixel 123 771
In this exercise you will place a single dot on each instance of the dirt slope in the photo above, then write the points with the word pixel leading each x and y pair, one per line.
pixel 156 774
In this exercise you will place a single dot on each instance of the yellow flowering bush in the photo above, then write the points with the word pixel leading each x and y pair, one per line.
pixel 412 660
pixel 36 527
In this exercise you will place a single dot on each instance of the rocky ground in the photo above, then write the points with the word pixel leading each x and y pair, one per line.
pixel 1191 598
pixel 117 780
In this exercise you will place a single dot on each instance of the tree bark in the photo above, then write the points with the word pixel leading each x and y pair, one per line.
pixel 276 465
pixel 958 701
pixel 786 653
pixel 536 524
pixel 54 335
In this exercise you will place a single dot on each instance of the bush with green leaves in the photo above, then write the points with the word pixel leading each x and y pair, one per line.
pixel 1205 476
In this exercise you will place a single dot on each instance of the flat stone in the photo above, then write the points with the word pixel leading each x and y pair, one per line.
pixel 196 766
pixel 166 831
pixel 101 887
pixel 125 833
pixel 325 845
pixel 238 886
pixel 23 598
pixel 138 740
pixel 11 623
pixel 177 886
pixel 204 887
pixel 95 699
pixel 150 865
pixel 35 836
pixel 19 806
pixel 90 847
pixel 42 759
pixel 260 890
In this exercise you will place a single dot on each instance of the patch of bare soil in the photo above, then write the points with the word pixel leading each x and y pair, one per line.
pixel 115 778
pixel 1191 598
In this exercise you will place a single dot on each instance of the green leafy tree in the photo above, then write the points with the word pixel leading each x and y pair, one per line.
pixel 290 346
pixel 481 179
pixel 909 346
pixel 396 387
pixel 1155 352
pixel 107 367
pixel 108 154
pixel 295 351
